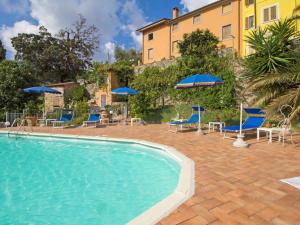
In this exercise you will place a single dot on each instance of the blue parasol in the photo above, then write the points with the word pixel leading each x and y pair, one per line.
pixel 124 91
pixel 199 80
pixel 41 90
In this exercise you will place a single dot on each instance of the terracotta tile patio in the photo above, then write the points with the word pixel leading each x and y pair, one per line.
pixel 233 186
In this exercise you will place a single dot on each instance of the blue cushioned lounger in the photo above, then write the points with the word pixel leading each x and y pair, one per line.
pixel 194 119
pixel 65 118
pixel 251 123
pixel 93 119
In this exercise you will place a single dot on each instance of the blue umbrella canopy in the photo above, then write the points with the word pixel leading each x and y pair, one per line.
pixel 199 80
pixel 124 91
pixel 41 90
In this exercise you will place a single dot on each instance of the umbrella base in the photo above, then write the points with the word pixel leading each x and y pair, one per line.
pixel 200 132
pixel 240 143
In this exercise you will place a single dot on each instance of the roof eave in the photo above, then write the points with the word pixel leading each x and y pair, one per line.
pixel 151 25
pixel 196 11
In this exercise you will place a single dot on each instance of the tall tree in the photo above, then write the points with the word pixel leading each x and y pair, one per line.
pixel 130 55
pixel 61 57
pixel 78 43
pixel 124 64
pixel 198 49
pixel 200 54
pixel 13 78
pixel 2 51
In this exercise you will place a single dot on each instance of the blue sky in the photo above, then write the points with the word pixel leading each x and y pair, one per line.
pixel 117 20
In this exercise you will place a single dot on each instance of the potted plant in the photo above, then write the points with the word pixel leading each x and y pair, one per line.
pixel 31 109
pixel 268 124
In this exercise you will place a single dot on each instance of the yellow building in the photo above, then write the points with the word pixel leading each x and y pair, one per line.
pixel 258 13
pixel 222 18
pixel 230 20
pixel 104 96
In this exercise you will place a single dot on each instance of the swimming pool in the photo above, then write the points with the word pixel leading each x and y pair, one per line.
pixel 54 180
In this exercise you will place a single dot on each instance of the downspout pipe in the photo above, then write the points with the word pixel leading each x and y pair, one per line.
pixel 255 15
pixel 239 28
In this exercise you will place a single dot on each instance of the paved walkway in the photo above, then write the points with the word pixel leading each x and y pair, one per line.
pixel 233 186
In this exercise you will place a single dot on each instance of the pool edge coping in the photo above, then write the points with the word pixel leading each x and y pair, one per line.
pixel 186 184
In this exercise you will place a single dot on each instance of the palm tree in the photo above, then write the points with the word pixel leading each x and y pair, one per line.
pixel 273 46
pixel 273 71
pixel 296 12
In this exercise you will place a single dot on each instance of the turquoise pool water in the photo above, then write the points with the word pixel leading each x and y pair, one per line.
pixel 76 182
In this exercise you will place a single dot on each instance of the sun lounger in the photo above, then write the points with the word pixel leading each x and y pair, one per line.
pixel 193 120
pixel 65 118
pixel 94 119
pixel 254 120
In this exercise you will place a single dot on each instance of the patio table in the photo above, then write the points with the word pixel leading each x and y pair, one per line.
pixel 211 125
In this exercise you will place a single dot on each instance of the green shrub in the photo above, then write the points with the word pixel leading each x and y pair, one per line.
pixel 76 94
pixel 199 56
pixel 78 120
pixel 2 115
pixel 81 111
pixel 31 108
pixel 166 114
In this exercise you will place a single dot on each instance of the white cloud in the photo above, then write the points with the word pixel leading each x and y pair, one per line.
pixel 6 33
pixel 135 20
pixel 110 51
pixel 110 16
pixel 190 5
pixel 57 14
pixel 19 6
pixel 137 38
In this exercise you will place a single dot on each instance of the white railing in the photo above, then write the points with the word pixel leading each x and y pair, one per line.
pixel 22 126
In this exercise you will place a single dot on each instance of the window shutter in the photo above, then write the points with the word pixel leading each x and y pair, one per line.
pixel 251 21
pixel 249 2
pixel 226 8
pixel 150 53
pixel 56 101
pixel 266 15
pixel 247 23
pixel 226 32
pixel 273 13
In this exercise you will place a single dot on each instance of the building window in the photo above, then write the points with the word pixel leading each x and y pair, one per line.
pixel 226 8
pixel 103 100
pixel 175 27
pixel 226 32
pixel 250 50
pixel 270 13
pixel 150 36
pixel 196 19
pixel 56 101
pixel 249 23
pixel 175 47
pixel 150 54
pixel 249 2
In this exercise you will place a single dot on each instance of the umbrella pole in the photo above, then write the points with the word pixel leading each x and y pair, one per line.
pixel 199 131
pixel 125 113
pixel 240 143
pixel 126 110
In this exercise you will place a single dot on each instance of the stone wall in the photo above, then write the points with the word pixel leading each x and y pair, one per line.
pixel 53 101
pixel 163 64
